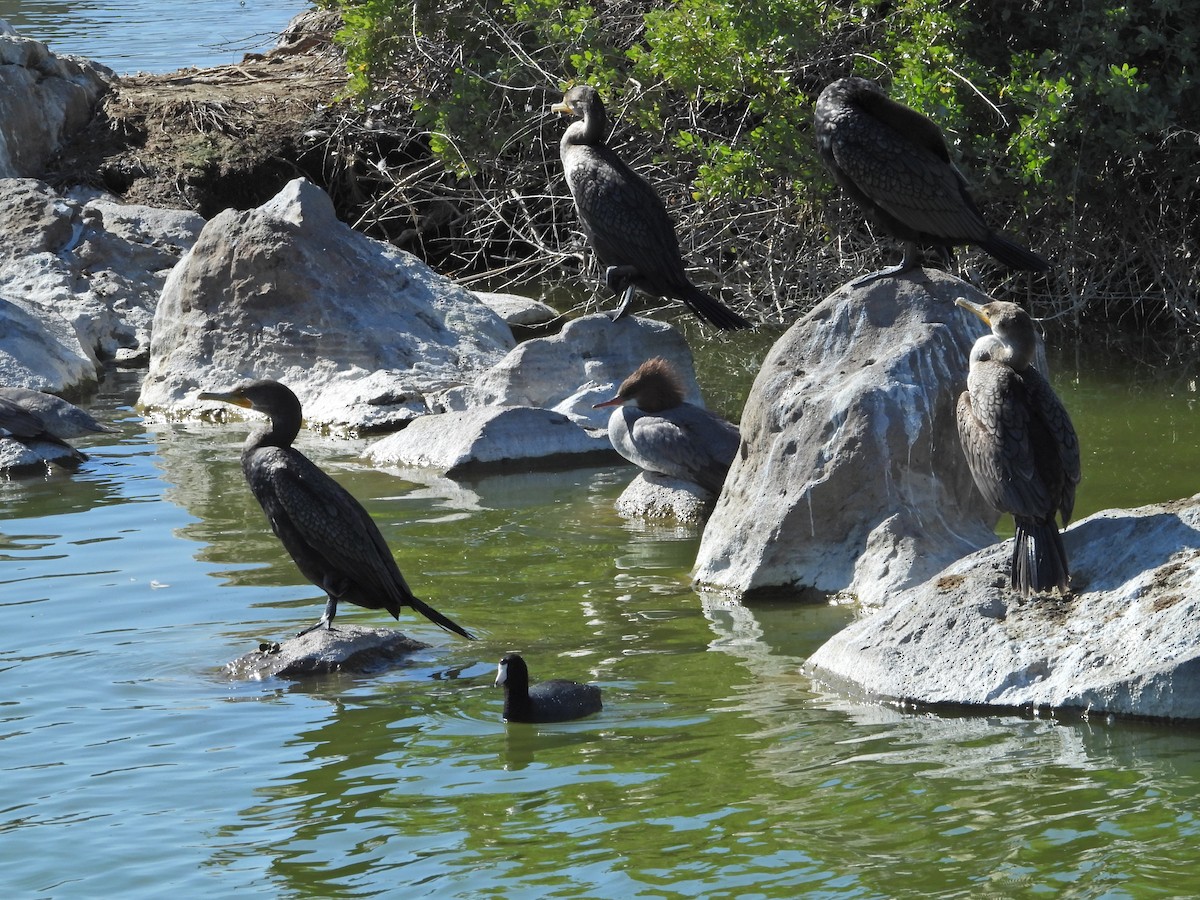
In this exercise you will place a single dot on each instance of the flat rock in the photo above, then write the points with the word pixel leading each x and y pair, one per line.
pixel 1126 642
pixel 852 478
pixel 491 439
pixel 347 648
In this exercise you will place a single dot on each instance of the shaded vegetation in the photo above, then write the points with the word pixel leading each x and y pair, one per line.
pixel 1074 123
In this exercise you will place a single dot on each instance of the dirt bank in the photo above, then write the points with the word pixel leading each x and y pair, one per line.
pixel 207 139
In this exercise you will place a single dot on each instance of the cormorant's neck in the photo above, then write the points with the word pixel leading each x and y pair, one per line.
pixel 589 130
pixel 273 433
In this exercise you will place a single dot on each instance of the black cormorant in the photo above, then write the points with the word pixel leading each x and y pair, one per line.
pixel 624 218
pixel 893 162
pixel 656 429
pixel 1020 444
pixel 549 701
pixel 333 540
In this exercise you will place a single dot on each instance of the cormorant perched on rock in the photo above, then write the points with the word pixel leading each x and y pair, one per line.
pixel 31 416
pixel 333 540
pixel 1020 444
pixel 549 701
pixel 654 428
pixel 893 162
pixel 624 218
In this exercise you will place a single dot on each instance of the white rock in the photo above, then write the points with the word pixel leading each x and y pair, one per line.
pixel 359 330
pixel 519 310
pixel 43 99
pixel 1127 641
pixel 489 439
pixel 654 496
pixel 852 477
pixel 577 367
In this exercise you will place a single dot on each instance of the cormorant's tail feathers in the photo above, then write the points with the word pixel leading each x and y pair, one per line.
pixel 438 619
pixel 712 310
pixel 1039 560
pixel 1013 255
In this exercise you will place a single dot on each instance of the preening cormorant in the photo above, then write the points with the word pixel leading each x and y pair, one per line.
pixel 655 428
pixel 624 218
pixel 549 701
pixel 1020 444
pixel 893 162
pixel 333 540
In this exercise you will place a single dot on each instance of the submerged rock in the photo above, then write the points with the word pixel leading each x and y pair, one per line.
pixel 654 496
pixel 1127 641
pixel 347 648
pixel 851 476
pixel 359 330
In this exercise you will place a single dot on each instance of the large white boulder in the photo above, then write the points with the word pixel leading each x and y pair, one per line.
pixel 43 99
pixel 1127 641
pixel 851 476
pixel 79 280
pixel 361 331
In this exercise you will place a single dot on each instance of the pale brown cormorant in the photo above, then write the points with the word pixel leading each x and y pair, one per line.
pixel 893 162
pixel 334 541
pixel 655 428
pixel 548 701
pixel 1020 444
pixel 624 218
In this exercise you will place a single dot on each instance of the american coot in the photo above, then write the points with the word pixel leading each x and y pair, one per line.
pixel 624 218
pixel 1020 444
pixel 656 429
pixel 333 540
pixel 893 162
pixel 548 701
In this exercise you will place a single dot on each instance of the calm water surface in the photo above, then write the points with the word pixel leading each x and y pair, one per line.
pixel 153 35
pixel 133 767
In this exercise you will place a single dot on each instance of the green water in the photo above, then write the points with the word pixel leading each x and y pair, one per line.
pixel 132 767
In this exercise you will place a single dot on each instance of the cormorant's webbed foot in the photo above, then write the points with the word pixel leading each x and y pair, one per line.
pixel 326 618
pixel 619 280
pixel 911 260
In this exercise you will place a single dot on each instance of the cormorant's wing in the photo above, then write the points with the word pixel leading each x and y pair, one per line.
pixel 624 217
pixel 995 424
pixel 1057 422
pixel 900 163
pixel 335 533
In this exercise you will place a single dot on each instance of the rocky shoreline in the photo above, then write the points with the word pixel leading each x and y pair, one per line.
pixel 849 480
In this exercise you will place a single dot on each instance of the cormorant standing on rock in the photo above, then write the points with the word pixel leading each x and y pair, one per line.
pixel 893 162
pixel 654 428
pixel 333 540
pixel 624 218
pixel 1020 444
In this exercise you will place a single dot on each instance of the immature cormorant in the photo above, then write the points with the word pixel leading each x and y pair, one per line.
pixel 333 540
pixel 549 701
pixel 654 428
pixel 893 162
pixel 624 218
pixel 1020 444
